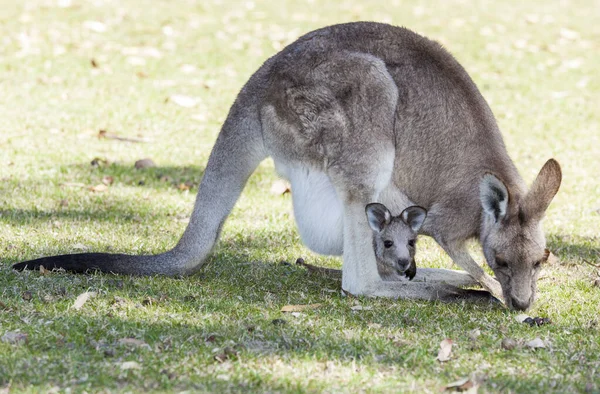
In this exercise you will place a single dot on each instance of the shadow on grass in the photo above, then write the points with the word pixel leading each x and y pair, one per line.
pixel 575 248
pixel 233 302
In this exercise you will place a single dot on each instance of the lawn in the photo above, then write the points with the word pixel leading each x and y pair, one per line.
pixel 160 76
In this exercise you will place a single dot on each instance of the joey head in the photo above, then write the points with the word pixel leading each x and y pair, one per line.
pixel 394 239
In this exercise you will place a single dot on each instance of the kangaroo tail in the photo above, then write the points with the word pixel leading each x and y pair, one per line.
pixel 237 152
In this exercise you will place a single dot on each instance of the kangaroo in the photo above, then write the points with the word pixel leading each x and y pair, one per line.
pixel 394 242
pixel 356 113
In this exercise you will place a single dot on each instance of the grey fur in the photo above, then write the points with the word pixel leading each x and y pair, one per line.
pixel 379 110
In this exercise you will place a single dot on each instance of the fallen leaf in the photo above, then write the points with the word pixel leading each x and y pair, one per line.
pixel 133 342
pixel 535 344
pixel 183 101
pixel 108 180
pixel 128 365
pixel 280 187
pixel 98 188
pixel 73 184
pixel 144 163
pixel 95 26
pixel 136 60
pixel 521 317
pixel 221 358
pixel 184 186
pixel 299 308
pixel 445 350
pixel 463 385
pixel 82 299
pixel 569 34
pixel 44 271
pixel 14 337
pixel 508 344
pixel 80 247
pixel 474 334
pixel 361 308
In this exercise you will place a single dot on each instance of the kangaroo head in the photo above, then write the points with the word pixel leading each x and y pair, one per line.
pixel 394 237
pixel 512 237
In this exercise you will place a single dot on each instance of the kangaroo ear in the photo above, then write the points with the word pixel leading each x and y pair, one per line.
pixel 493 196
pixel 378 216
pixel 542 191
pixel 414 216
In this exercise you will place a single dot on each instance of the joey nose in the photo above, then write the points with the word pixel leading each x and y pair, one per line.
pixel 403 264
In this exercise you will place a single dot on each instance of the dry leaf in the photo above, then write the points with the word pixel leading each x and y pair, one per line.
pixel 73 184
pixel 184 186
pixel 280 187
pixel 508 344
pixel 569 34
pixel 82 299
pixel 27 295
pixel 535 344
pixel 108 180
pixel 299 308
pixel 134 342
pixel 462 385
pixel 144 163
pixel 14 337
pixel 221 358
pixel 95 26
pixel 44 271
pixel 522 317
pixel 98 188
pixel 445 350
pixel 127 365
pixel 361 308
pixel 183 101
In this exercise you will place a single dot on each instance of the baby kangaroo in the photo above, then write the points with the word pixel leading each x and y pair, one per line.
pixel 394 242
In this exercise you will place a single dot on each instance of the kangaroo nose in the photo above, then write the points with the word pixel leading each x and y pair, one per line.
pixel 518 304
pixel 403 264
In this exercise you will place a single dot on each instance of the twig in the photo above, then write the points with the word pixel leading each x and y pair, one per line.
pixel 592 264
pixel 110 136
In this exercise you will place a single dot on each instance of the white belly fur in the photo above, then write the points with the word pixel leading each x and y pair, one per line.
pixel 317 209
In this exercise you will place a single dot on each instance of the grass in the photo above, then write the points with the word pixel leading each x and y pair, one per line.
pixel 536 63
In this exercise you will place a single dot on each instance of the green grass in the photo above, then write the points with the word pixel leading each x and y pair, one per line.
pixel 537 64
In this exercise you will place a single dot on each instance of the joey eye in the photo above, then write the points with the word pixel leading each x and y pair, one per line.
pixel 537 264
pixel 411 243
pixel 388 244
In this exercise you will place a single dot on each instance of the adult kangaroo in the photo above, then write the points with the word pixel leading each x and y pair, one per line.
pixel 358 113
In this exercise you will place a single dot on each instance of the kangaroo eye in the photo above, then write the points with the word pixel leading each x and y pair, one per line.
pixel 537 264
pixel 388 244
pixel 501 263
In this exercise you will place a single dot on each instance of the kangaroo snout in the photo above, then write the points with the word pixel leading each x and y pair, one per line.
pixel 518 304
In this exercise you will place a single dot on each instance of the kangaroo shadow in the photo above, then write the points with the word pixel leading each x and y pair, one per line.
pixel 575 248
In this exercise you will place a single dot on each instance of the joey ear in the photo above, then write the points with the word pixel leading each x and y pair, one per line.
pixel 378 216
pixel 542 191
pixel 414 216
pixel 494 196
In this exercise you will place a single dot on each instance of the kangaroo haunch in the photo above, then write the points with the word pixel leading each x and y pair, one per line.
pixel 364 112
